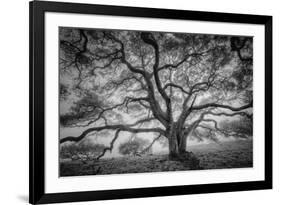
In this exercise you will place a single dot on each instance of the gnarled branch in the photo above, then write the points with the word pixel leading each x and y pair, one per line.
pixel 199 107
pixel 127 128
pixel 110 146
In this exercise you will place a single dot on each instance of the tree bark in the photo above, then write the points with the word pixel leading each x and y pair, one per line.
pixel 177 141
pixel 173 147
pixel 182 145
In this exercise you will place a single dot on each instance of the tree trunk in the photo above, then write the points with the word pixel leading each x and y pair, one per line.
pixel 173 147
pixel 182 145
pixel 177 150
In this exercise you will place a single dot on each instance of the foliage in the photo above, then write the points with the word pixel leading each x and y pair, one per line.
pixel 243 127
pixel 133 147
pixel 63 92
pixel 83 151
pixel 88 105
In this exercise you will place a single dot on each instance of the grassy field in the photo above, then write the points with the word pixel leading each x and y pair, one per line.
pixel 237 154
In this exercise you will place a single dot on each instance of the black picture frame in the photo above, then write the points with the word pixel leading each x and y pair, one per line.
pixel 37 194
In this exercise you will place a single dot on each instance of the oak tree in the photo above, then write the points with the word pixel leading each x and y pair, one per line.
pixel 173 85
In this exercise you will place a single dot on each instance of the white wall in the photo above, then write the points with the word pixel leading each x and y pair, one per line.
pixel 14 100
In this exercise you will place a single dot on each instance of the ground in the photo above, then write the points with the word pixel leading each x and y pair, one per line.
pixel 237 154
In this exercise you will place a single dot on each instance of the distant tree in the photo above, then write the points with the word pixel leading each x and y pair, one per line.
pixel 172 84
pixel 83 152
pixel 133 147
pixel 242 127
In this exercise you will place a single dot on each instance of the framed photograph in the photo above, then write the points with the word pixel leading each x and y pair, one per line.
pixel 140 102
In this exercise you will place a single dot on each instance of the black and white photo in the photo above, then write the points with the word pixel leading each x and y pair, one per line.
pixel 145 101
